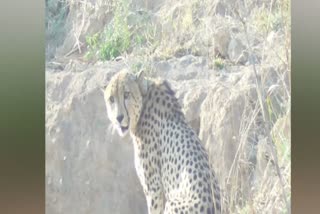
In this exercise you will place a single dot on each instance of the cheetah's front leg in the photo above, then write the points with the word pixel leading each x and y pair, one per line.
pixel 154 195
pixel 155 202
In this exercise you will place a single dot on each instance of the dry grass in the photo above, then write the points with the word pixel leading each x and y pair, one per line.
pixel 262 185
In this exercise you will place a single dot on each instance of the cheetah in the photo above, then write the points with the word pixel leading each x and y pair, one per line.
pixel 171 163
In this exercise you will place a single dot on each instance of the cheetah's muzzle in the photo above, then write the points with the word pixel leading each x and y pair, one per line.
pixel 124 128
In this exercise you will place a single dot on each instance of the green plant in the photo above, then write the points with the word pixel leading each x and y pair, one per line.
pixel 115 39
pixel 129 31
pixel 218 63
pixel 92 42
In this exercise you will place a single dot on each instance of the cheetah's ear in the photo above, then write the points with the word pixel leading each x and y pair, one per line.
pixel 140 74
pixel 142 82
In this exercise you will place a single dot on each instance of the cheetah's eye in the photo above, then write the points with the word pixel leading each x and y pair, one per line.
pixel 126 95
pixel 111 99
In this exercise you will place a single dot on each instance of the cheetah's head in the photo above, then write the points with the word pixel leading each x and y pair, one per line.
pixel 124 99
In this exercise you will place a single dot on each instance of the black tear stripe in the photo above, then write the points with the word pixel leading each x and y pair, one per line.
pixel 168 88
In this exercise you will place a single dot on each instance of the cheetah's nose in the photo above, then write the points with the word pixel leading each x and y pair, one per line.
pixel 120 118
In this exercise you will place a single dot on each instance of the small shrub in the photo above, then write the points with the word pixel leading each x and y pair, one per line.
pixel 219 63
pixel 115 39
pixel 129 31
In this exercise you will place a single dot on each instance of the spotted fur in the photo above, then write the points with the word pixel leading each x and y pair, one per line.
pixel 170 161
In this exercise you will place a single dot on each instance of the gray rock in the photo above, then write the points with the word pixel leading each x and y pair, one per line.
pixel 88 168
pixel 237 51
pixel 221 42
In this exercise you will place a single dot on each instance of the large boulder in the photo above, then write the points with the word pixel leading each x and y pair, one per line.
pixel 88 168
